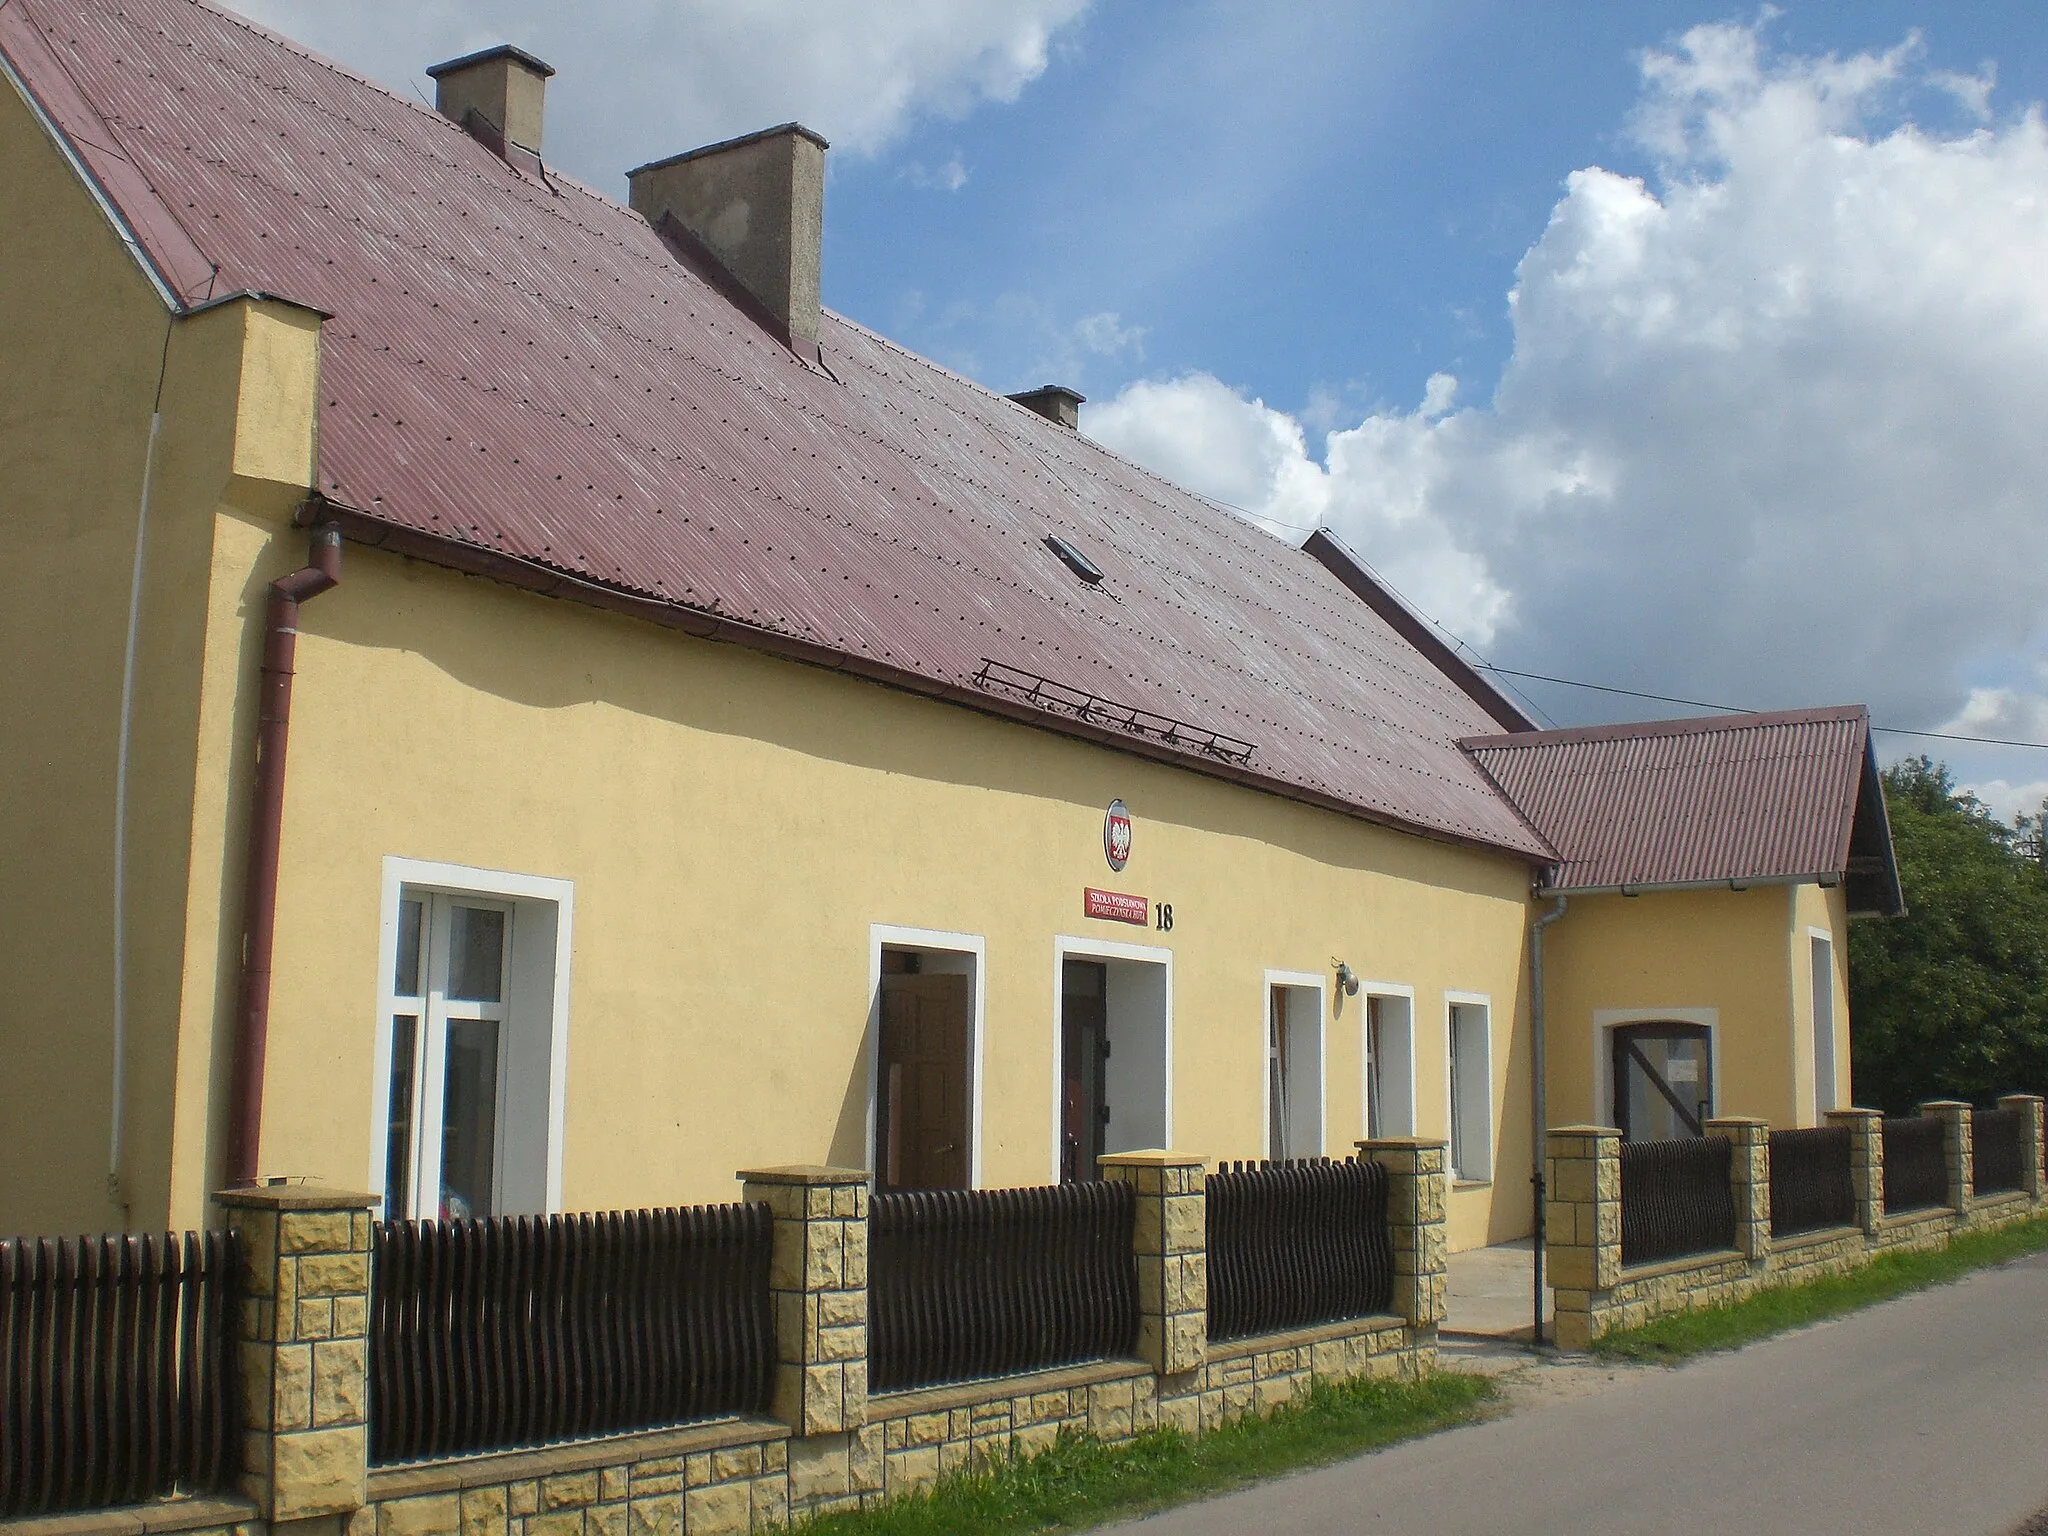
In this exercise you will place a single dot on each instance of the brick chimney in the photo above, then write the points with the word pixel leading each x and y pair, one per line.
pixel 505 86
pixel 753 209
pixel 1055 402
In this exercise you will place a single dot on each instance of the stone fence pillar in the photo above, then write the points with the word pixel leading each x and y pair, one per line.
pixel 1957 1148
pixel 1170 1238
pixel 1866 1163
pixel 304 1347
pixel 1582 1223
pixel 1418 1187
pixel 2033 1175
pixel 1749 1175
pixel 818 1288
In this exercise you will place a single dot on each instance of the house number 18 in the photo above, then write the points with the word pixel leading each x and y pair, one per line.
pixel 1164 921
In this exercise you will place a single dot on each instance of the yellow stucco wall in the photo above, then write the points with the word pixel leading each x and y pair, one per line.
pixel 82 338
pixel 733 825
pixel 1736 960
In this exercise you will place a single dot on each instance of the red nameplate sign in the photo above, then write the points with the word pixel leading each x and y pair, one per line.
pixel 1116 906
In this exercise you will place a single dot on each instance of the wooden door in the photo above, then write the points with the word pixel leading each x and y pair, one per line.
pixel 925 1088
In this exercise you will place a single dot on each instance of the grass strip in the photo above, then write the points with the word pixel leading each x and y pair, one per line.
pixel 1080 1482
pixel 1668 1340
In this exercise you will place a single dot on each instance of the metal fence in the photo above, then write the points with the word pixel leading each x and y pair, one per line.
pixel 1999 1137
pixel 1676 1198
pixel 117 1369
pixel 965 1284
pixel 522 1330
pixel 1915 1164
pixel 1296 1243
pixel 1810 1185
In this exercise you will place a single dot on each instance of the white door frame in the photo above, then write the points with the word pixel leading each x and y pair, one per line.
pixel 1065 945
pixel 891 936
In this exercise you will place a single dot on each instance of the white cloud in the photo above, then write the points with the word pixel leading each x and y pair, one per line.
pixel 2006 800
pixel 1771 431
pixel 950 177
pixel 640 79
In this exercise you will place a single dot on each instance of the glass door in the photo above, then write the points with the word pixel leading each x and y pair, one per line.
pixel 1663 1081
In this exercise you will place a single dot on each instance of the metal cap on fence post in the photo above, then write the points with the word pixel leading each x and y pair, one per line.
pixel 2033 1176
pixel 1749 1178
pixel 1582 1223
pixel 1170 1237
pixel 304 1346
pixel 1866 1163
pixel 1418 1190
pixel 1956 1146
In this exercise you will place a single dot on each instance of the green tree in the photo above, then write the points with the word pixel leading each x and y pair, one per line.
pixel 1951 1000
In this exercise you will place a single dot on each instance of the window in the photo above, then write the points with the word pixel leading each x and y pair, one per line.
pixel 1471 1092
pixel 470 1054
pixel 1823 966
pixel 1294 1070
pixel 1389 1064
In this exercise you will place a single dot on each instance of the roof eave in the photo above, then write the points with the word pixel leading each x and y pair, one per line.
pixel 374 532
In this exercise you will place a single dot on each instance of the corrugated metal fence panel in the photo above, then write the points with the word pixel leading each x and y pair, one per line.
pixel 118 1380
pixel 1915 1164
pixel 964 1284
pixel 525 1330
pixel 1676 1198
pixel 525 368
pixel 1811 1187
pixel 1998 1139
pixel 1296 1243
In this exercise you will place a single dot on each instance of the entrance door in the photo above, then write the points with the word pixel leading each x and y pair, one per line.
pixel 1084 1067
pixel 921 1110
pixel 1663 1081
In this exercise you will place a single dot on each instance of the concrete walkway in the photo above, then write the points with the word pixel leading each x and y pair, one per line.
pixel 1490 1291
pixel 1923 1415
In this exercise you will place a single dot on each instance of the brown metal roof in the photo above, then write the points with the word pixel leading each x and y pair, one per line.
pixel 1711 801
pixel 520 378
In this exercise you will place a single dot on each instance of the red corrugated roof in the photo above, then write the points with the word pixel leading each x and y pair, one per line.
pixel 1691 802
pixel 519 377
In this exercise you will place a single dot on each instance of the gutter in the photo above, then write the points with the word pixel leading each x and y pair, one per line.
pixel 266 827
pixel 450 554
pixel 1539 1095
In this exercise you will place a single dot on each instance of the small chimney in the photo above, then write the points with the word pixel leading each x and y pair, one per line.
pixel 505 86
pixel 754 208
pixel 1056 403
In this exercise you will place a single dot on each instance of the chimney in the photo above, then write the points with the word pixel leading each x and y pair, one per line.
pixel 1056 403
pixel 505 86
pixel 752 211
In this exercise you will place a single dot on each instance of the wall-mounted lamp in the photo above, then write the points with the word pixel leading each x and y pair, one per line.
pixel 1347 979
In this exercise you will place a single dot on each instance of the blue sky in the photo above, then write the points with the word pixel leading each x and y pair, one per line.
pixel 1301 198
pixel 1761 424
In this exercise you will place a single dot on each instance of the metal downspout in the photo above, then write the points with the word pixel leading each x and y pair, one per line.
pixel 266 825
pixel 1540 1095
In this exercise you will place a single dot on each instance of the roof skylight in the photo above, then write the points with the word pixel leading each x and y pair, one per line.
pixel 1073 559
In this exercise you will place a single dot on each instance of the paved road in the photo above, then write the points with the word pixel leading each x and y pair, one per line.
pixel 1928 1414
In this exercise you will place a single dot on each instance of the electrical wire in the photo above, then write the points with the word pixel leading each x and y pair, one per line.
pixel 1736 709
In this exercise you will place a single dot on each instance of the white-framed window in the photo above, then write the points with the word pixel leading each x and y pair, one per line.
pixel 1469 1042
pixel 1821 962
pixel 1388 1056
pixel 472 1039
pixel 1294 1064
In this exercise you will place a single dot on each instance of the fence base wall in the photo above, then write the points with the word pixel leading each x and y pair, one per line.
pixel 1645 1292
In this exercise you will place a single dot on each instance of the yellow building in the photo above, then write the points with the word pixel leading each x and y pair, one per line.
pixel 716 737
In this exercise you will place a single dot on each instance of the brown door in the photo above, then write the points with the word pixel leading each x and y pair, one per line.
pixel 1084 1058
pixel 921 1109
